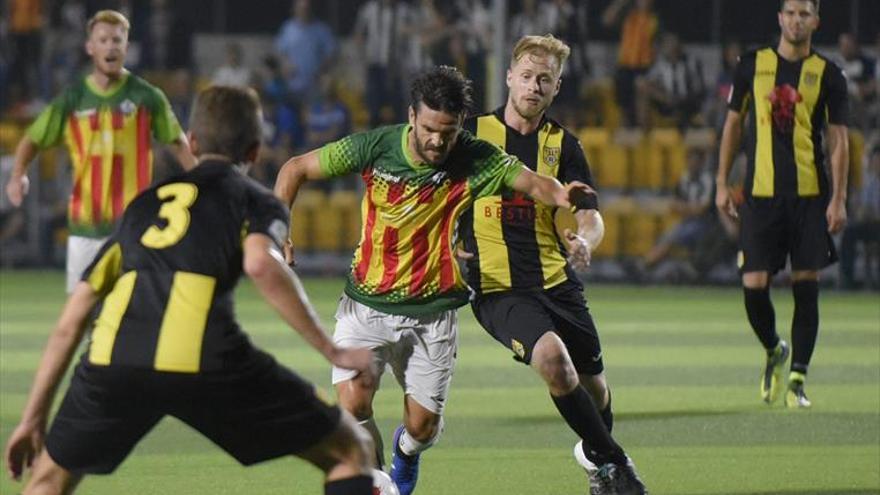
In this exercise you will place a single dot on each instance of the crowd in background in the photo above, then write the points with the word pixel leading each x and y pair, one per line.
pixel 304 79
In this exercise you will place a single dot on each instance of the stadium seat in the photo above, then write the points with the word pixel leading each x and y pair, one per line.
pixel 347 203
pixel 10 134
pixel 856 157
pixel 303 218
pixel 639 232
pixel 610 245
pixel 664 159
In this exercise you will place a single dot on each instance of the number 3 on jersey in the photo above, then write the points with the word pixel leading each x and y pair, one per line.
pixel 176 212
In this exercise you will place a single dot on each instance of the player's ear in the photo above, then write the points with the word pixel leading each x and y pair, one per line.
pixel 412 116
pixel 193 143
pixel 252 153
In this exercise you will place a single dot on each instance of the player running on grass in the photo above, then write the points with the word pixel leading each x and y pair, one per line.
pixel 165 341
pixel 404 286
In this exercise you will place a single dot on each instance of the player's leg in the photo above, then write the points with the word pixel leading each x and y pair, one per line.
pixel 423 362
pixel 48 478
pixel 345 457
pixel 355 327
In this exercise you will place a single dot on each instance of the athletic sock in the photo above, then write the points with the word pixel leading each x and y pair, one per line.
pixel 579 411
pixel 358 485
pixel 805 324
pixel 607 414
pixel 762 317
pixel 795 376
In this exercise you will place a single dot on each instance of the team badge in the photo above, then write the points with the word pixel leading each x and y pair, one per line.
pixel 740 259
pixel 127 107
pixel 551 156
pixel 518 348
pixel 810 78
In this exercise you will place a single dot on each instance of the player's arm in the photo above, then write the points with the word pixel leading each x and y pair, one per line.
pixel 731 137
pixel 550 191
pixel 180 149
pixel 281 288
pixel 838 143
pixel 27 439
pixel 293 174
pixel 590 232
pixel 17 186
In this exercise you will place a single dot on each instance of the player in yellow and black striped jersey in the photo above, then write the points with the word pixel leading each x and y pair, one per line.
pixel 526 292
pixel 165 341
pixel 795 99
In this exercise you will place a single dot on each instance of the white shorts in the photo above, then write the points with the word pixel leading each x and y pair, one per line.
pixel 80 253
pixel 420 350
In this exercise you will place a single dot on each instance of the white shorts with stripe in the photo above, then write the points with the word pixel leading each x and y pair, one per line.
pixel 80 253
pixel 421 351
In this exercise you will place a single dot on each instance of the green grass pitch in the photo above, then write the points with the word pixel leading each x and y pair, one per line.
pixel 682 362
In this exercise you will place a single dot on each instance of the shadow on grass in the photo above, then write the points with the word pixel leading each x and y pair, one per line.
pixel 829 491
pixel 631 416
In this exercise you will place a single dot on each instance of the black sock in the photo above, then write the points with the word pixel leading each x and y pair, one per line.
pixel 358 485
pixel 579 411
pixel 805 324
pixel 759 308
pixel 607 415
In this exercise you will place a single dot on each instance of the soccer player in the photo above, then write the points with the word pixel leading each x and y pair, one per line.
pixel 166 342
pixel 404 286
pixel 527 295
pixel 788 93
pixel 107 119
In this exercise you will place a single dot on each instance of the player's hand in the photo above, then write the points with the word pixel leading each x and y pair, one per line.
pixel 358 359
pixel 725 203
pixel 576 194
pixel 836 216
pixel 288 253
pixel 23 446
pixel 578 251
pixel 463 255
pixel 17 189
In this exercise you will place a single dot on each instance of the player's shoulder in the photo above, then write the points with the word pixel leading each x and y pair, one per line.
pixel 748 57
pixel 137 83
pixel 470 123
pixel 831 66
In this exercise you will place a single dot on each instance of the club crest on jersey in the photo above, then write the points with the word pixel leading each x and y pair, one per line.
pixel 810 78
pixel 127 107
pixel 518 348
pixel 551 155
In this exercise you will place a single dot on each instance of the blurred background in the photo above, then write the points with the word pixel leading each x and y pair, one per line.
pixel 647 108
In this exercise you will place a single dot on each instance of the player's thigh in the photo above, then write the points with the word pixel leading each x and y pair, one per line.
pixel 575 326
pixel 358 325
pixel 102 417
pixel 80 253
pixel 764 238
pixel 811 245
pixel 259 412
pixel 515 320
pixel 424 358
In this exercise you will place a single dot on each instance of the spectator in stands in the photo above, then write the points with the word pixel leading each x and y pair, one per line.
pixel 25 24
pixel 533 19
pixel 306 46
pixel 864 226
pixel 233 72
pixel 380 32
pixel 861 83
pixel 693 202
pixel 638 28
pixel 716 103
pixel 674 87
pixel 327 118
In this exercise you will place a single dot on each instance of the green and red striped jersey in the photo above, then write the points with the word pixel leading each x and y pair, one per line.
pixel 405 261
pixel 108 135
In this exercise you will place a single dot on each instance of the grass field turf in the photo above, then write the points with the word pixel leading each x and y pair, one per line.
pixel 682 363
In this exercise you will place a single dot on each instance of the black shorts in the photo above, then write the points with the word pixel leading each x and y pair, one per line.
pixel 519 319
pixel 774 229
pixel 259 412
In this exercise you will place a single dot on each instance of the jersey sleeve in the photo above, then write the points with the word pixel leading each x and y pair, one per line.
pixel 741 88
pixel 105 269
pixel 350 154
pixel 574 167
pixel 496 171
pixel 164 124
pixel 838 97
pixel 47 130
pixel 266 215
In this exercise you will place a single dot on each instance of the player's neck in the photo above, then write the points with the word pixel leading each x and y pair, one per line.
pixel 104 81
pixel 792 52
pixel 519 123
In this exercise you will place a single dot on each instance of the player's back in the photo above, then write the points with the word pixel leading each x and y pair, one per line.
pixel 169 271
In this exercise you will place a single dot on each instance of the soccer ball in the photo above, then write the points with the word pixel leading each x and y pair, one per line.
pixel 382 484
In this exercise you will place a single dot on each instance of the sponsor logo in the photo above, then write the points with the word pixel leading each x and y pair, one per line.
pixel 765 73
pixel 597 357
pixel 83 114
pixel 386 176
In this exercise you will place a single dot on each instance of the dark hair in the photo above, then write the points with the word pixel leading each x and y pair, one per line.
pixel 442 89
pixel 226 121
pixel 814 2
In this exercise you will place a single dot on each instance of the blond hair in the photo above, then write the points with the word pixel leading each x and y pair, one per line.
pixel 109 17
pixel 541 45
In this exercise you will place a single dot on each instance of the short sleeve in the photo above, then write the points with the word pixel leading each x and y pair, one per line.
pixel 350 154
pixel 266 215
pixel 105 269
pixel 574 167
pixel 838 104
pixel 496 171
pixel 47 130
pixel 742 84
pixel 165 127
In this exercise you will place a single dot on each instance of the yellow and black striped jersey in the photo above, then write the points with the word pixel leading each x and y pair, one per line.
pixel 789 104
pixel 512 237
pixel 168 272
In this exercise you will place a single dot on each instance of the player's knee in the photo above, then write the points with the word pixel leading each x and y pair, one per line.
pixel 355 400
pixel 550 358
pixel 49 480
pixel 426 429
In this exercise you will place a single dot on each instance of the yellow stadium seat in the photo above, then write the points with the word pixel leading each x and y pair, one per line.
pixel 303 219
pixel 662 160
pixel 610 245
pixel 348 204
pixel 10 133
pixel 639 230
pixel 856 158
